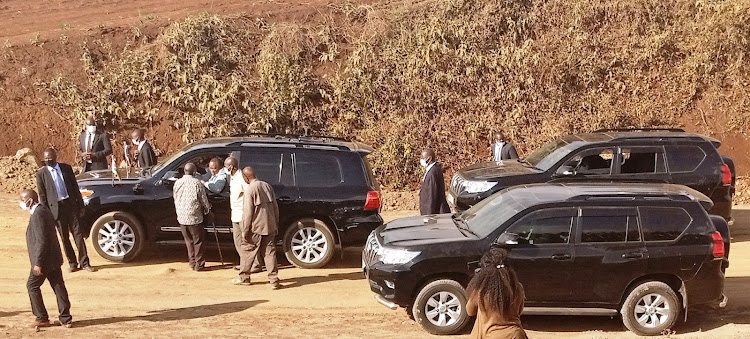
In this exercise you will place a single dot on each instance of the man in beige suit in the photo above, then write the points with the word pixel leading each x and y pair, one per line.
pixel 260 223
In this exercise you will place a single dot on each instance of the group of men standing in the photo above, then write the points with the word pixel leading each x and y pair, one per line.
pixel 432 193
pixel 254 216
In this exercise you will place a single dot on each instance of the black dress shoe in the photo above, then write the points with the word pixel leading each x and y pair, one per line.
pixel 72 269
pixel 90 269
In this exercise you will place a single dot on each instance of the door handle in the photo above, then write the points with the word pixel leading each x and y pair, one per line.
pixel 634 255
pixel 562 257
pixel 285 199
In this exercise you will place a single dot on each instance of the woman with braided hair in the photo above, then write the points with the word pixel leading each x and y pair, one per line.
pixel 496 298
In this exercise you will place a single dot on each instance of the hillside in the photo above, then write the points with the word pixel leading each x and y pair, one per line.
pixel 397 75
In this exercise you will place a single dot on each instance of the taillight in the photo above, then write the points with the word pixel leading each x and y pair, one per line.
pixel 726 174
pixel 718 244
pixel 373 200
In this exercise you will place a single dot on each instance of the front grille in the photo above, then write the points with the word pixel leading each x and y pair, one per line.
pixel 457 184
pixel 370 252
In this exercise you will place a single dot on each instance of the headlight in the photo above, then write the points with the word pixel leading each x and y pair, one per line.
pixel 478 186
pixel 392 256
pixel 85 193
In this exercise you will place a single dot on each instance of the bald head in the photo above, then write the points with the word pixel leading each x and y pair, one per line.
pixel 428 155
pixel 500 136
pixel 231 164
pixel 137 134
pixel 29 194
pixel 214 166
pixel 90 120
pixel 249 174
pixel 50 157
pixel 190 168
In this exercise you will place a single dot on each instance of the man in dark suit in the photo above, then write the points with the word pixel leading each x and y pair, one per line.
pixel 46 259
pixel 144 154
pixel 94 147
pixel 432 194
pixel 58 191
pixel 502 149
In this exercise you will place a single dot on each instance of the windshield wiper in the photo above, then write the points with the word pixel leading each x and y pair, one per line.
pixel 524 161
pixel 462 224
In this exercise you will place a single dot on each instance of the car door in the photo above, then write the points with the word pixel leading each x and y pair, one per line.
pixel 542 254
pixel 647 163
pixel 609 254
pixel 592 163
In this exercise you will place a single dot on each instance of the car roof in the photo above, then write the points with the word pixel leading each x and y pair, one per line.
pixel 608 135
pixel 534 194
pixel 314 142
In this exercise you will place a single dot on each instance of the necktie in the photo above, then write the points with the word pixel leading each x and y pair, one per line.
pixel 62 193
pixel 90 143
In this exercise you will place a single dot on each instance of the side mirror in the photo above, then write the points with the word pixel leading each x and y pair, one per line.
pixel 565 171
pixel 170 177
pixel 509 239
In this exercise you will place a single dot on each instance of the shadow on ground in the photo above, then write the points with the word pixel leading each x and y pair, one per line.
pixel 185 313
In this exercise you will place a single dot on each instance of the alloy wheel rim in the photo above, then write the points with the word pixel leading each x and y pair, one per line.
pixel 116 238
pixel 652 310
pixel 443 309
pixel 309 245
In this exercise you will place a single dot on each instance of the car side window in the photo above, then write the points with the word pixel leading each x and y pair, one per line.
pixel 684 158
pixel 663 223
pixel 596 161
pixel 318 170
pixel 642 160
pixel 606 225
pixel 549 226
pixel 268 165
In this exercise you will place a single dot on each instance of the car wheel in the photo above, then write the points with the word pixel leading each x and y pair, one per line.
pixel 309 243
pixel 118 236
pixel 651 308
pixel 440 307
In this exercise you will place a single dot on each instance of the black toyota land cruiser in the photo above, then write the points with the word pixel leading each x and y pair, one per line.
pixel 644 251
pixel 326 192
pixel 654 155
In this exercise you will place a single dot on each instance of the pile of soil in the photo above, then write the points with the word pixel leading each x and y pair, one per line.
pixel 16 175
pixel 400 200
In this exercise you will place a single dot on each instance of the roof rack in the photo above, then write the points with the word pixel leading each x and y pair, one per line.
pixel 291 136
pixel 635 129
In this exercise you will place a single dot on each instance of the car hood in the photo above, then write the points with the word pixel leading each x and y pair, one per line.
pixel 91 177
pixel 422 230
pixel 493 170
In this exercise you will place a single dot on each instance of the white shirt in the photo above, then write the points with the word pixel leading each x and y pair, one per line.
pixel 57 177
pixel 497 155
pixel 33 208
pixel 236 189
pixel 89 144
pixel 140 144
pixel 427 170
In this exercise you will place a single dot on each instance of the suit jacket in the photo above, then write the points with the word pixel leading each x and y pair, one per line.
pixel 260 212
pixel 508 152
pixel 41 240
pixel 100 149
pixel 48 192
pixel 146 156
pixel 432 194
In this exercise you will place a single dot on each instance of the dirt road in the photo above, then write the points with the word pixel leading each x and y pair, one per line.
pixel 163 298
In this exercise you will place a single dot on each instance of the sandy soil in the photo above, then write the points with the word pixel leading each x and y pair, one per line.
pixel 163 298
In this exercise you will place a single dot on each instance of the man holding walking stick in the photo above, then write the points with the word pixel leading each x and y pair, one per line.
pixel 191 204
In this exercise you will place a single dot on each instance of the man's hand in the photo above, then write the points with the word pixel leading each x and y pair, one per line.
pixel 37 270
pixel 211 218
pixel 87 156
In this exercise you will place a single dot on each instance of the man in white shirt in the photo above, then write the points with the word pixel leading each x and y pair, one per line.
pixel 93 147
pixel 144 155
pixel 502 149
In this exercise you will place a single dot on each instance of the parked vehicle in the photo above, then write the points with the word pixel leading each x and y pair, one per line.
pixel 624 155
pixel 326 192
pixel 647 252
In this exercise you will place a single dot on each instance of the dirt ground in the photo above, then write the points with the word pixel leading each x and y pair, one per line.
pixel 163 298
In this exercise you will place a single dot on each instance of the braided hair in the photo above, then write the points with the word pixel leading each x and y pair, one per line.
pixel 496 285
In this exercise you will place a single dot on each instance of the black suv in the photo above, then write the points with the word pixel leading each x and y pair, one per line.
pixel 645 251
pixel 326 192
pixel 654 155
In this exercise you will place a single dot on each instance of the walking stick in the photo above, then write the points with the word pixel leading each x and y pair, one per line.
pixel 216 236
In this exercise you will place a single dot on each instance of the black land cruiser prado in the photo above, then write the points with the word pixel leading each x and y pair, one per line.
pixel 644 251
pixel 326 192
pixel 648 155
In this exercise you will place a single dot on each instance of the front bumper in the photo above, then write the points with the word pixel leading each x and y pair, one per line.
pixel 392 287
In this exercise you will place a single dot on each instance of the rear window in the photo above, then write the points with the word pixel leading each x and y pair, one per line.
pixel 684 158
pixel 373 181
pixel 318 170
pixel 663 223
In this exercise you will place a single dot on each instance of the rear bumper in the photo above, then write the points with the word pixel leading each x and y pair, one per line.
pixel 354 231
pixel 708 284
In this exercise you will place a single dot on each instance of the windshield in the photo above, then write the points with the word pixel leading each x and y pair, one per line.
pixel 490 213
pixel 548 155
pixel 169 160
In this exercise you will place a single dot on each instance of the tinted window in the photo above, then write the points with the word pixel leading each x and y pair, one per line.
pixel 642 160
pixel 319 170
pixel 593 161
pixel 684 158
pixel 663 223
pixel 609 225
pixel 267 165
pixel 487 215
pixel 544 227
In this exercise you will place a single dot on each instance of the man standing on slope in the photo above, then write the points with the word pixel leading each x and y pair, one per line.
pixel 432 193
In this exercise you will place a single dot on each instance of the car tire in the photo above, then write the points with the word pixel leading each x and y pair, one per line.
pixel 651 308
pixel 440 307
pixel 309 243
pixel 118 236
